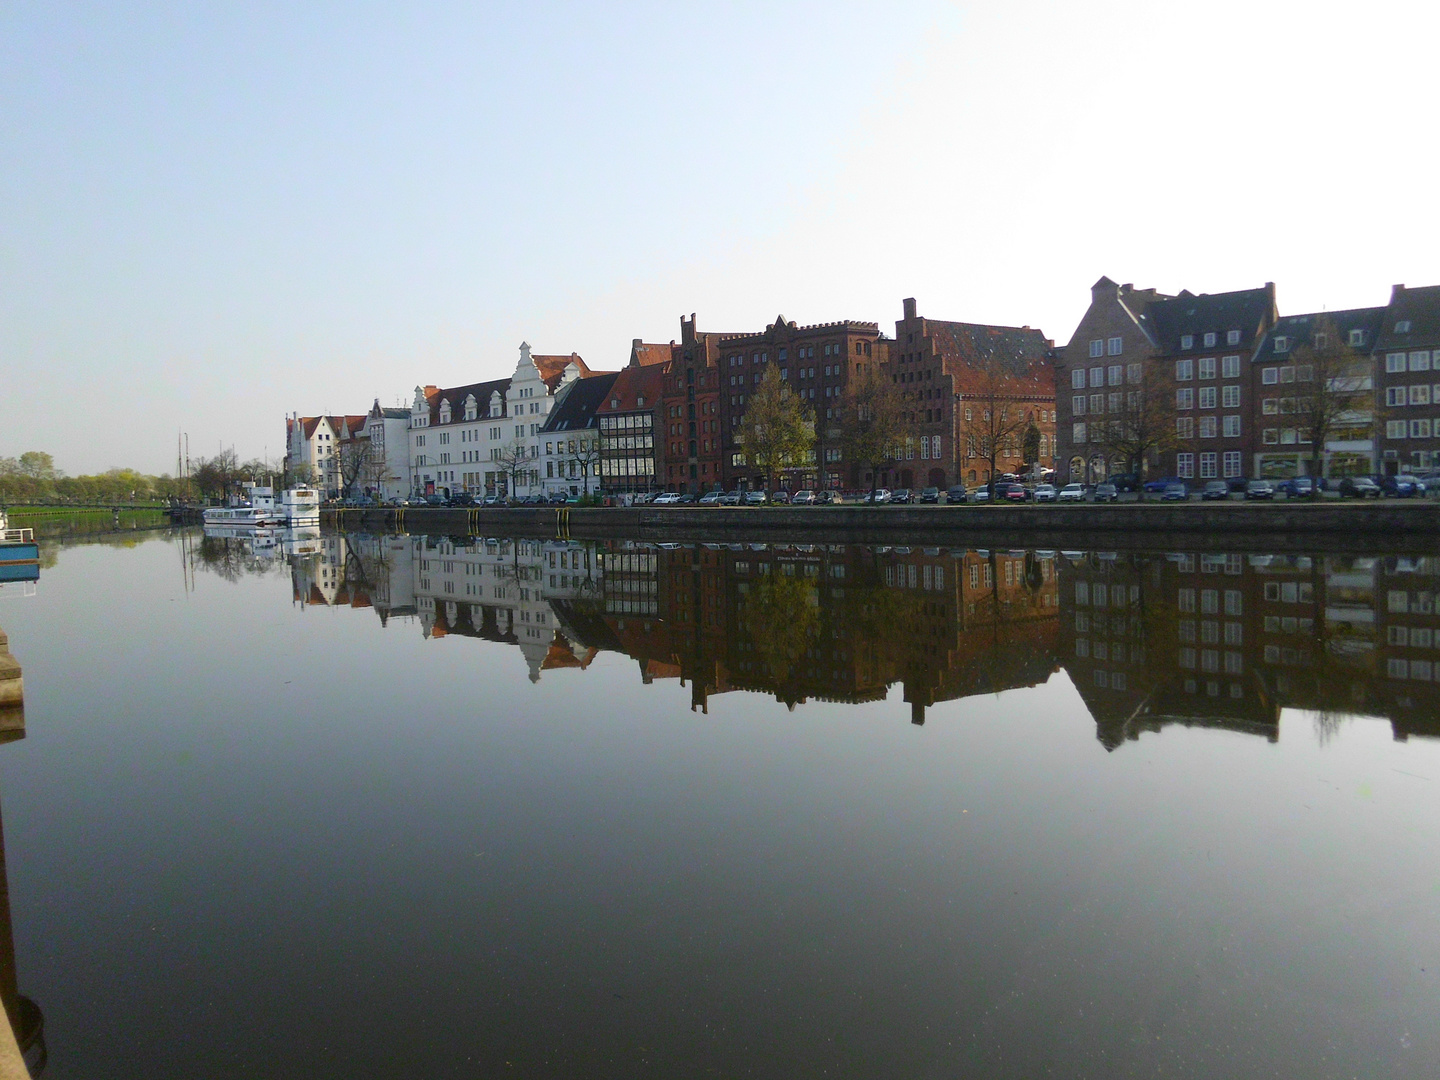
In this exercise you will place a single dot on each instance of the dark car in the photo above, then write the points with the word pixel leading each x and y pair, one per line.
pixel 1259 489
pixel 1176 492
pixel 900 495
pixel 1158 487
pixel 1359 487
pixel 826 498
pixel 1403 487
pixel 434 500
pixel 1107 492
pixel 1126 481
pixel 1298 487
pixel 464 498
pixel 1018 493
pixel 1215 489
pixel 956 494
pixel 930 495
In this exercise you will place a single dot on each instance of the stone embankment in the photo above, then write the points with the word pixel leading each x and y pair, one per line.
pixel 1280 526
pixel 12 692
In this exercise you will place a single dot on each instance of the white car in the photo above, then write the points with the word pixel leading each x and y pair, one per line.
pixel 878 496
pixel 1072 493
pixel 711 498
pixel 1044 492
pixel 666 498
pixel 981 494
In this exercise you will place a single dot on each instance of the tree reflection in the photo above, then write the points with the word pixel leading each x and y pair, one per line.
pixel 781 615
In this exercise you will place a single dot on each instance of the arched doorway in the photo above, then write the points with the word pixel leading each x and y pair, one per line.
pixel 1077 470
pixel 1097 470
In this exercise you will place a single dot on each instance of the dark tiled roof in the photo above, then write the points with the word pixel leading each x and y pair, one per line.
pixel 1297 329
pixel 456 395
pixel 1421 307
pixel 632 384
pixel 576 409
pixel 1247 310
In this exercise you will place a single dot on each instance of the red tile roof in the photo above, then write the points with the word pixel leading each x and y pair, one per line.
pixel 633 383
pixel 552 367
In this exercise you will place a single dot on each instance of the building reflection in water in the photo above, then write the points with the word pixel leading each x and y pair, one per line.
pixel 1147 639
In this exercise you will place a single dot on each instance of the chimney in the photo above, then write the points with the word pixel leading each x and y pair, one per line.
pixel 909 303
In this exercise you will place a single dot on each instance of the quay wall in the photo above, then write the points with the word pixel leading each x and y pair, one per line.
pixel 1384 526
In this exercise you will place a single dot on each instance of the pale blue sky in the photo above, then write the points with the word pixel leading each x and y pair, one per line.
pixel 211 215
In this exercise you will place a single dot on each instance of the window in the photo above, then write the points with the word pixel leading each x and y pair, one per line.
pixel 1420 395
pixel 1282 343
pixel 1185 466
pixel 1394 362
pixel 1207 427
pixel 1097 376
pixel 1232 468
pixel 1357 337
pixel 1185 427
pixel 1269 376
pixel 1116 346
pixel 1287 374
pixel 1097 403
pixel 1419 429
pixel 1403 326
pixel 1207 397
pixel 1097 347
pixel 1187 341
pixel 1077 405
pixel 1077 433
pixel 1271 436
pixel 1395 429
pixel 1132 373
pixel 1077 379
pixel 1230 397
pixel 1207 465
pixel 1232 427
pixel 1185 398
pixel 1207 367
pixel 1230 367
pixel 1115 403
pixel 1232 338
pixel 1184 370
pixel 1394 395
pixel 1420 361
pixel 1117 374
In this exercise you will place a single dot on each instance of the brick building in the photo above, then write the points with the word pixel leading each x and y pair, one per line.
pixel 949 373
pixel 629 420
pixel 1407 353
pixel 691 436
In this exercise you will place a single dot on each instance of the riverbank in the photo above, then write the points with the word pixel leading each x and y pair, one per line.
pixel 1285 526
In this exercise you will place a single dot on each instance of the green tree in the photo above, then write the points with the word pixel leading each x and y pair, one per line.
pixel 777 430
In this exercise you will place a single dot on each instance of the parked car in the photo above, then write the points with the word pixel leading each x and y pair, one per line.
pixel 754 498
pixel 982 494
pixel 803 497
pixel 1016 492
pixel 1071 493
pixel 930 495
pixel 1259 489
pixel 1404 486
pixel 1126 481
pixel 826 498
pixel 878 496
pixel 782 497
pixel 1215 489
pixel 712 498
pixel 1359 487
pixel 1298 487
pixel 666 498
pixel 493 500
pixel 956 494
pixel 1045 493
pixel 731 498
pixel 900 495
pixel 1158 487
pixel 1175 492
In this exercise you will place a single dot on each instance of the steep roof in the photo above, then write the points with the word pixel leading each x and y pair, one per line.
pixel 1299 330
pixel 575 411
pixel 551 368
pixel 644 353
pixel 456 395
pixel 1021 352
pixel 1250 311
pixel 1421 308
pixel 632 384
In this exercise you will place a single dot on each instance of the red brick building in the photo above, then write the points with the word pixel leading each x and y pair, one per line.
pixel 691 417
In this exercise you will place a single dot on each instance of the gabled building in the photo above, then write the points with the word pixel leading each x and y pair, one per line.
pixel 691 417
pixel 1283 383
pixel 387 473
pixel 952 376
pixel 629 422
pixel 313 445
pixel 1202 344
pixel 1407 351
pixel 571 436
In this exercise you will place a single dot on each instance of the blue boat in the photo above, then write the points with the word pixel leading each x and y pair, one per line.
pixel 19 553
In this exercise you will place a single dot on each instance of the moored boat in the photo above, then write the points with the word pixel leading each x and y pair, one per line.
pixel 19 553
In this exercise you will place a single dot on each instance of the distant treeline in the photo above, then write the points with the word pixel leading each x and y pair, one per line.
pixel 33 478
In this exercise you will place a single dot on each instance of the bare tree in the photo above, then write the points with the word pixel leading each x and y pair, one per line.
pixel 872 421
pixel 777 430
pixel 512 460
pixel 998 410
pixel 1145 423
pixel 1333 389
pixel 585 453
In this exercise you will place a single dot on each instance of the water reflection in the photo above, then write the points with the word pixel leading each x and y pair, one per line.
pixel 1147 639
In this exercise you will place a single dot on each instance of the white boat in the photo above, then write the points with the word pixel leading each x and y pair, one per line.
pixel 301 506
pixel 257 510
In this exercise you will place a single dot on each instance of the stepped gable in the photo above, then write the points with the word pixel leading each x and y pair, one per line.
pixel 552 368
pixel 576 409
pixel 1022 352
pixel 646 354
pixel 1248 310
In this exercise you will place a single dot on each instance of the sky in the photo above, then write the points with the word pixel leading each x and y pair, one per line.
pixel 213 215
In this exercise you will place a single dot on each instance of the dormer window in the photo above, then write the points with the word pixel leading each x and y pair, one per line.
pixel 1403 326
pixel 1187 341
pixel 1282 343
pixel 1209 340
pixel 1233 337
pixel 1357 337
pixel 640 401
pixel 614 403
pixel 445 412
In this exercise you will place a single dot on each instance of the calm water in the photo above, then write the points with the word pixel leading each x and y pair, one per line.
pixel 453 807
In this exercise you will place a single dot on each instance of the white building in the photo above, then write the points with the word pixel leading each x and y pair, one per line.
pixel 312 447
pixel 389 433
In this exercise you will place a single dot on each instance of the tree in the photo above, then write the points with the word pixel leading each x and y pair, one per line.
pixel 1145 423
pixel 1333 389
pixel 585 453
pixel 38 465
pixel 777 430
pixel 872 421
pixel 353 461
pixel 512 460
pixel 1032 443
pixel 999 413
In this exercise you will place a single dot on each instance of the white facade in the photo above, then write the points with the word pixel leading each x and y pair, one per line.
pixel 389 434
pixel 312 442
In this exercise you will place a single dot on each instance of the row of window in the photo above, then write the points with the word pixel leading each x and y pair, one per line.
pixel 1231 461
pixel 1414 429
pixel 1210 338
pixel 1118 373
pixel 1412 395
pixel 1185 369
pixel 1415 361
pixel 1186 427
pixel 1229 397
